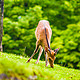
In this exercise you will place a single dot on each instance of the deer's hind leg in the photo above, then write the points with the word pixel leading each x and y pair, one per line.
pixel 35 51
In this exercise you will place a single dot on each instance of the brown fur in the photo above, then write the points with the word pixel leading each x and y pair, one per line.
pixel 42 42
pixel 40 32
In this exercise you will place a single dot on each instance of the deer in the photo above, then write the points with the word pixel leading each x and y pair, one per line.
pixel 43 35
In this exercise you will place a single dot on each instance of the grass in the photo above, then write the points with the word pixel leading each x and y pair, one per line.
pixel 15 68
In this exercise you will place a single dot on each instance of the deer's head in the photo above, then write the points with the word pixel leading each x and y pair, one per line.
pixel 51 56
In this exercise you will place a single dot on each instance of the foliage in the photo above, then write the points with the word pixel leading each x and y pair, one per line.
pixel 24 71
pixel 20 21
pixel 69 43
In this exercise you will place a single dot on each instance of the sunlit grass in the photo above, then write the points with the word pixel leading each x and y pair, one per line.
pixel 16 67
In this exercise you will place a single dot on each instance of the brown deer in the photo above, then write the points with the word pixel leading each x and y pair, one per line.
pixel 43 35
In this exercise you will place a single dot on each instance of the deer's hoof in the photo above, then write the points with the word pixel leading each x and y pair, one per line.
pixel 27 61
pixel 46 65
pixel 36 62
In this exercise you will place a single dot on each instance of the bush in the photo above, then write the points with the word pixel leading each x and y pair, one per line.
pixel 20 21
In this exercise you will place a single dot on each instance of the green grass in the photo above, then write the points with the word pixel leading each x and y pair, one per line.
pixel 16 67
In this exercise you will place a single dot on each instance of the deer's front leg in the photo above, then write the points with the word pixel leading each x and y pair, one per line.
pixel 46 59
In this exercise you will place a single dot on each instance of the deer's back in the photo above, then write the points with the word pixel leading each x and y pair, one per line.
pixel 40 30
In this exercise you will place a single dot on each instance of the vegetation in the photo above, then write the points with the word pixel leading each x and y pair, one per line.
pixel 20 21
pixel 17 68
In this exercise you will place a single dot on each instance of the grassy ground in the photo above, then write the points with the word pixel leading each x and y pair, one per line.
pixel 14 67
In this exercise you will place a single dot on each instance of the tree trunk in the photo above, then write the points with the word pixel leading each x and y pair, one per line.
pixel 1 23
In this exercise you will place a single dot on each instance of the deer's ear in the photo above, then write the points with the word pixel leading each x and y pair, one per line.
pixel 56 50
pixel 49 50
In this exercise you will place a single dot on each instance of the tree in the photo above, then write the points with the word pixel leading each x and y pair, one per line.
pixel 1 23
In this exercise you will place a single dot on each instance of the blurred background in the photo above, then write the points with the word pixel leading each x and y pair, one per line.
pixel 21 18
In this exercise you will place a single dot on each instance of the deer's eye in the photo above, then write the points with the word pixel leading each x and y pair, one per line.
pixel 50 59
